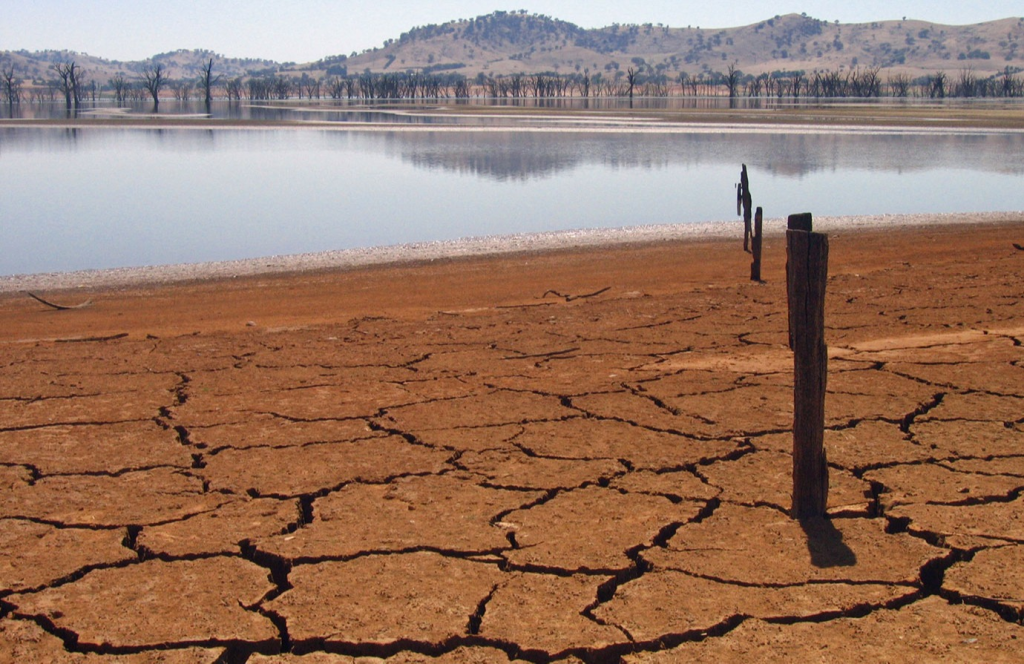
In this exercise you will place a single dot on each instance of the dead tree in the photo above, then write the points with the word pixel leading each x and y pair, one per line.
pixel 967 85
pixel 69 75
pixel 754 87
pixel 11 85
pixel 234 88
pixel 182 90
pixel 120 86
pixel 695 83
pixel 335 87
pixel 1009 86
pixel 310 86
pixel 793 87
pixel 282 88
pixel 732 80
pixel 463 88
pixel 899 85
pixel 153 79
pixel 77 84
pixel 206 80
pixel 631 80
pixel 583 84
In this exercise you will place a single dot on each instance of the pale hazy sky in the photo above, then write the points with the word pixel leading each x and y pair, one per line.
pixel 306 30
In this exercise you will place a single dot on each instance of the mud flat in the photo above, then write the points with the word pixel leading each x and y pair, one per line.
pixel 575 454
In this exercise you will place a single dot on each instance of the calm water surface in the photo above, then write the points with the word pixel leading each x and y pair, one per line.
pixel 101 198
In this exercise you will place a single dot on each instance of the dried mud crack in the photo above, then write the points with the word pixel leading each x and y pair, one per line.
pixel 430 462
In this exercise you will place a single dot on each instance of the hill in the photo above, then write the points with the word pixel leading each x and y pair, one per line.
pixel 519 42
pixel 510 42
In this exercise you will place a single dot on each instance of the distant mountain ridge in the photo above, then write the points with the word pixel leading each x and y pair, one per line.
pixel 38 65
pixel 519 42
pixel 509 42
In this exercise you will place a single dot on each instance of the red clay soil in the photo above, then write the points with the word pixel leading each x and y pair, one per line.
pixel 574 455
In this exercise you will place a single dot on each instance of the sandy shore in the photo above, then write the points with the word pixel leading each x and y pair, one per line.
pixel 501 453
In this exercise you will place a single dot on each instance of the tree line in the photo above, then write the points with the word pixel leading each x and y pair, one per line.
pixel 72 84
pixel 869 82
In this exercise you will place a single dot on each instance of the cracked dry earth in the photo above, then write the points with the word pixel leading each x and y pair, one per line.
pixel 452 462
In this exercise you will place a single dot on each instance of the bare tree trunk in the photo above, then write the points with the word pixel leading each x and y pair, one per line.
pixel 206 79
pixel 732 80
pixel 12 85
pixel 153 78
pixel 66 84
pixel 631 80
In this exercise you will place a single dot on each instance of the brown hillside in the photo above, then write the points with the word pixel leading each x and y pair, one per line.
pixel 511 42
pixel 503 43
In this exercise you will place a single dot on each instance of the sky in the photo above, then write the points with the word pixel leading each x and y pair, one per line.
pixel 307 30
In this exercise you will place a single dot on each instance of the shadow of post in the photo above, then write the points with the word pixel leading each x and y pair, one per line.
pixel 825 544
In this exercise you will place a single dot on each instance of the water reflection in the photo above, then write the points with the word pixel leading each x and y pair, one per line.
pixel 98 198
pixel 521 156
pixel 524 155
pixel 356 110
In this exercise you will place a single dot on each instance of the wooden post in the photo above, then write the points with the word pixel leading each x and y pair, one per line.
pixel 795 222
pixel 800 222
pixel 747 203
pixel 755 264
pixel 806 274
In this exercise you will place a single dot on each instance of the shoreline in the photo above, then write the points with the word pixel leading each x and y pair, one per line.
pixel 469 247
pixel 801 116
pixel 568 124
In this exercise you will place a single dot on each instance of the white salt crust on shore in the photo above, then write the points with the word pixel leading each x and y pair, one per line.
pixel 472 246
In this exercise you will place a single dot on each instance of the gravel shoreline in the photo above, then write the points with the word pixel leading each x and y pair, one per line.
pixel 465 247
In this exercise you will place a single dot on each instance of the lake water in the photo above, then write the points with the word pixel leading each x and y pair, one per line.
pixel 76 199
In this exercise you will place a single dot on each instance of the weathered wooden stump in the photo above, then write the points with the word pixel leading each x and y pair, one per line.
pixel 755 246
pixel 800 222
pixel 806 275
pixel 795 222
pixel 746 201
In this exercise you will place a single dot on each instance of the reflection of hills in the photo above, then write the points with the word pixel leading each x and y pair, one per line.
pixel 521 156
pixel 799 155
pixel 502 157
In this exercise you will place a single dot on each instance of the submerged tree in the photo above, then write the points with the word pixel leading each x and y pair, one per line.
pixel 899 85
pixel 234 88
pixel 153 79
pixel 206 80
pixel 120 85
pixel 631 79
pixel 732 80
pixel 967 85
pixel 1009 85
pixel 11 85
pixel 937 85
pixel 70 78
